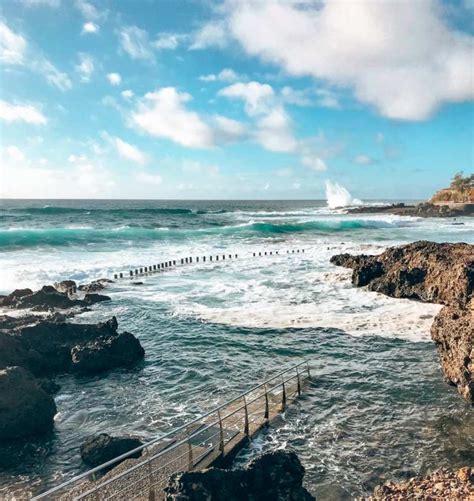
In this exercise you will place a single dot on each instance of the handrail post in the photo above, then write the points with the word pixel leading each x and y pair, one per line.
pixel 190 456
pixel 246 425
pixel 299 382
pixel 151 491
pixel 221 433
pixel 283 396
pixel 267 407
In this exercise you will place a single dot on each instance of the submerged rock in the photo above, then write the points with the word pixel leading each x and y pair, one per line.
pixel 276 475
pixel 101 448
pixel 25 408
pixel 431 272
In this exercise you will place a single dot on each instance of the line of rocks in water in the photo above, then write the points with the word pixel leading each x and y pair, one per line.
pixel 34 348
pixel 424 209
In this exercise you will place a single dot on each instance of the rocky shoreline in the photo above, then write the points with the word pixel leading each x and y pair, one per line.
pixel 35 347
pixel 425 209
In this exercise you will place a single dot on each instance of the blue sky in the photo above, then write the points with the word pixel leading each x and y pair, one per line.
pixel 238 99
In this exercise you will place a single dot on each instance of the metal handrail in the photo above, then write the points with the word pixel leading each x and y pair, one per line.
pixel 169 434
pixel 189 437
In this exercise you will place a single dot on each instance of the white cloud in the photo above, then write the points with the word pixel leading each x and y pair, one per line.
pixel 14 153
pixel 114 78
pixel 228 130
pixel 128 151
pixel 274 131
pixel 90 27
pixel 168 41
pixel 258 97
pixel 53 76
pixel 213 34
pixel 226 75
pixel 88 10
pixel 194 167
pixel 360 45
pixel 21 113
pixel 327 99
pixel 313 162
pixel 12 46
pixel 363 160
pixel 163 113
pixel 127 94
pixel 146 178
pixel 296 97
pixel 85 68
pixel 135 42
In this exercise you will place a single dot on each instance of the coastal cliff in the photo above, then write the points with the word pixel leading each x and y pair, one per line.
pixel 440 273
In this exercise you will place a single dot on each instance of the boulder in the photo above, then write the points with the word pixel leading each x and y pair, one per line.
pixel 65 285
pixel 95 285
pixel 92 298
pixel 101 448
pixel 105 353
pixel 25 409
pixel 45 299
pixel 276 475
pixel 13 297
pixel 453 333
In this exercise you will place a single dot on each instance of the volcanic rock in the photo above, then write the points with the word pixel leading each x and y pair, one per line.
pixel 25 409
pixel 65 285
pixel 276 475
pixel 101 448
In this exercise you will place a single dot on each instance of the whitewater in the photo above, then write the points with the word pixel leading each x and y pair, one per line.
pixel 213 329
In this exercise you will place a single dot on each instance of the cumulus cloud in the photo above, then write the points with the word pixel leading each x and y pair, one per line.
pixel 360 45
pixel 147 178
pixel 128 151
pixel 114 78
pixel 256 96
pixel 90 27
pixel 274 131
pixel 88 10
pixel 85 68
pixel 212 34
pixel 12 46
pixel 127 94
pixel 313 162
pixel 21 113
pixel 226 75
pixel 169 41
pixel 135 42
pixel 164 114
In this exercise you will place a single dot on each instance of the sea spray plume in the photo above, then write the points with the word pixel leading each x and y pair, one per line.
pixel 338 196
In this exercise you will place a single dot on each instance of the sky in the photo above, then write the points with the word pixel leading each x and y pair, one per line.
pixel 236 99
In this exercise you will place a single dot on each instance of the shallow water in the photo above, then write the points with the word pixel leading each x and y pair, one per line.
pixel 377 407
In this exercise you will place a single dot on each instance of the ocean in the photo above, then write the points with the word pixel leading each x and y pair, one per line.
pixel 377 408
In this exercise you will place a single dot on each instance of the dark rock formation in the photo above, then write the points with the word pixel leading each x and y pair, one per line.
pixel 13 297
pixel 101 448
pixel 453 333
pixel 276 475
pixel 65 285
pixel 426 271
pixel 107 353
pixel 25 408
pixel 435 273
pixel 439 485
pixel 92 298
pixel 425 209
pixel 95 285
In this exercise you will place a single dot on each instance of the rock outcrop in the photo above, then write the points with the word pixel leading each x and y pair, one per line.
pixel 431 272
pixel 277 475
pixel 440 485
pixel 25 408
pixel 101 448
pixel 425 209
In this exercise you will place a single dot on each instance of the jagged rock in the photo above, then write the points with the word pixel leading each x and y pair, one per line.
pixel 25 409
pixel 107 353
pixel 436 273
pixel 95 298
pixel 453 333
pixel 276 475
pixel 101 448
pixel 14 296
pixel 46 298
pixel 95 285
pixel 13 352
pixel 426 271
pixel 65 285
pixel 439 485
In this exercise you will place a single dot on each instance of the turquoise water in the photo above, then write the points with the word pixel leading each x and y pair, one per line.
pixel 377 408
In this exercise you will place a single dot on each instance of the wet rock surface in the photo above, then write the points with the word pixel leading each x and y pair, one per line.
pixel 276 475
pixel 431 272
pixel 100 449
pixel 25 408
pixel 440 485
pixel 425 209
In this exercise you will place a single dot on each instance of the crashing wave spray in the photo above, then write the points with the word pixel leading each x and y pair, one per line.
pixel 338 196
